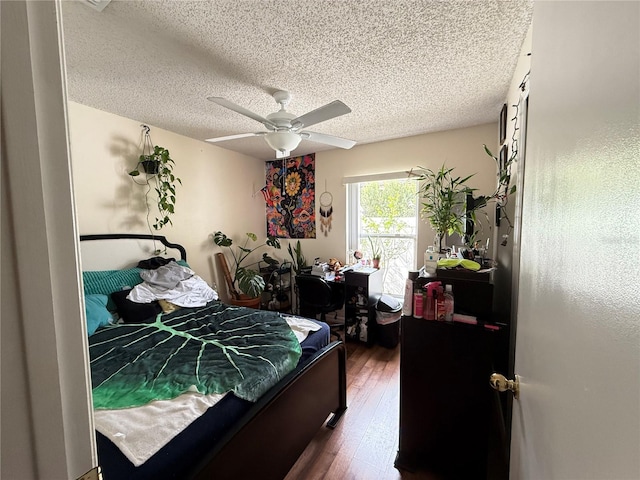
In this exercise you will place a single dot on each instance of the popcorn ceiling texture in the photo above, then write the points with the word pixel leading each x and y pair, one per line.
pixel 405 67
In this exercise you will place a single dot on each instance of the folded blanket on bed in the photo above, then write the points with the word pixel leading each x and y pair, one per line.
pixel 128 428
pixel 216 349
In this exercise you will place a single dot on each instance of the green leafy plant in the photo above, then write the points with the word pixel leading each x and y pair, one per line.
pixel 158 165
pixel 503 189
pixel 376 249
pixel 443 200
pixel 501 196
pixel 244 278
pixel 299 262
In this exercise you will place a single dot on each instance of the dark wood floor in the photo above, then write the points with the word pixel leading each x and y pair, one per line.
pixel 364 444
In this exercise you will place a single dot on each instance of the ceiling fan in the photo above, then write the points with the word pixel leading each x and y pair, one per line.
pixel 285 129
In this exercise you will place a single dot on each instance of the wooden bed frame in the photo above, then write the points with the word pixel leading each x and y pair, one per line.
pixel 270 437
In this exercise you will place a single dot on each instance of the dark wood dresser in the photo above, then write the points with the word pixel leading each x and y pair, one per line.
pixel 445 398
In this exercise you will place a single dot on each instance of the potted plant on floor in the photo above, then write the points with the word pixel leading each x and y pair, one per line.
pixel 245 283
pixel 298 260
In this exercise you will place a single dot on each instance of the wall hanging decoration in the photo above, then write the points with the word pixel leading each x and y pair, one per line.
pixel 503 124
pixel 290 197
pixel 326 210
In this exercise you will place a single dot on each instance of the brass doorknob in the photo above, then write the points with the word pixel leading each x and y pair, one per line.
pixel 502 384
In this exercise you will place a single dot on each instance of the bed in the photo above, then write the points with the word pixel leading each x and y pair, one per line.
pixel 239 436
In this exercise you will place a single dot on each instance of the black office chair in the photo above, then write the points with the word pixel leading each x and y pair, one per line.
pixel 316 296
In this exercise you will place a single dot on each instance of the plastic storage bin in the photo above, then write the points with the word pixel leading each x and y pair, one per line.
pixel 388 313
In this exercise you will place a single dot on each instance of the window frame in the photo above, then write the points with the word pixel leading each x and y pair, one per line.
pixel 353 201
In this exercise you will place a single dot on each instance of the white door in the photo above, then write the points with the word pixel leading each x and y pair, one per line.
pixel 46 416
pixel 578 342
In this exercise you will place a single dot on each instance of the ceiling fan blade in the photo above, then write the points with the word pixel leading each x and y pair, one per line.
pixel 242 111
pixel 233 137
pixel 328 139
pixel 327 112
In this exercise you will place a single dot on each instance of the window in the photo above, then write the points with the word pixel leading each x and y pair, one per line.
pixel 383 212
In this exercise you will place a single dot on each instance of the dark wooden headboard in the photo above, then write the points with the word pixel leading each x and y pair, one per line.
pixel 112 251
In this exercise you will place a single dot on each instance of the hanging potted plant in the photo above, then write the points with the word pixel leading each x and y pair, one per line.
pixel 157 164
pixel 245 283
pixel 149 164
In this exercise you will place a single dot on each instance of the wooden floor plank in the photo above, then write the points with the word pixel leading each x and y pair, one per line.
pixel 364 444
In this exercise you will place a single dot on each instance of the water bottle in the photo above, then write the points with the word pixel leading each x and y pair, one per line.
pixel 448 303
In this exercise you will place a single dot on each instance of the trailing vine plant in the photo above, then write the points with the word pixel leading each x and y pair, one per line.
pixel 504 188
pixel 157 164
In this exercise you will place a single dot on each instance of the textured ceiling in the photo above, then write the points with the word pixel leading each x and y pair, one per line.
pixel 405 67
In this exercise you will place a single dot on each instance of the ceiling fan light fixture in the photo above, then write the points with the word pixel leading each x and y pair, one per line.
pixel 283 141
pixel 285 128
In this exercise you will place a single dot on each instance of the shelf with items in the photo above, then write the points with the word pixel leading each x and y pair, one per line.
pixel 362 291
pixel 278 291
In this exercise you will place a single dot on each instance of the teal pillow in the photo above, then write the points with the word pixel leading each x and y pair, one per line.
pixel 106 282
pixel 97 313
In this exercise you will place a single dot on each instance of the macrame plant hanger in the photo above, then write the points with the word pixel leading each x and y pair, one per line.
pixel 326 210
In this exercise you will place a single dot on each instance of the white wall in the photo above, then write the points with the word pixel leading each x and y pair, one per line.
pixel 578 348
pixel 219 185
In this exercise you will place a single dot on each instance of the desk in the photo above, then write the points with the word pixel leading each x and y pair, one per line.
pixel 359 292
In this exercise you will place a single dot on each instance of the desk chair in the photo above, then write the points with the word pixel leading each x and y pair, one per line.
pixel 316 296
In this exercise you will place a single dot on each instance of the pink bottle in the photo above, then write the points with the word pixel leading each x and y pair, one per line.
pixel 430 301
pixel 418 302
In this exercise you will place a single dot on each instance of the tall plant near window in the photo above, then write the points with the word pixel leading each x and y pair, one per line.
pixel 443 200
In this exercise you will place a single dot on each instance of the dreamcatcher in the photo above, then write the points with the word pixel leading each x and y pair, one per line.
pixel 326 210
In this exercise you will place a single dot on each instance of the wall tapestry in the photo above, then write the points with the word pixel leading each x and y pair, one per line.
pixel 290 196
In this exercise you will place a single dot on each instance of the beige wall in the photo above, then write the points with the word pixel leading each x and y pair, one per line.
pixel 460 148
pixel 216 192
pixel 218 185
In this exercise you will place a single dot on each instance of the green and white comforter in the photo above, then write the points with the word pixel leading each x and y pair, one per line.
pixel 212 349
